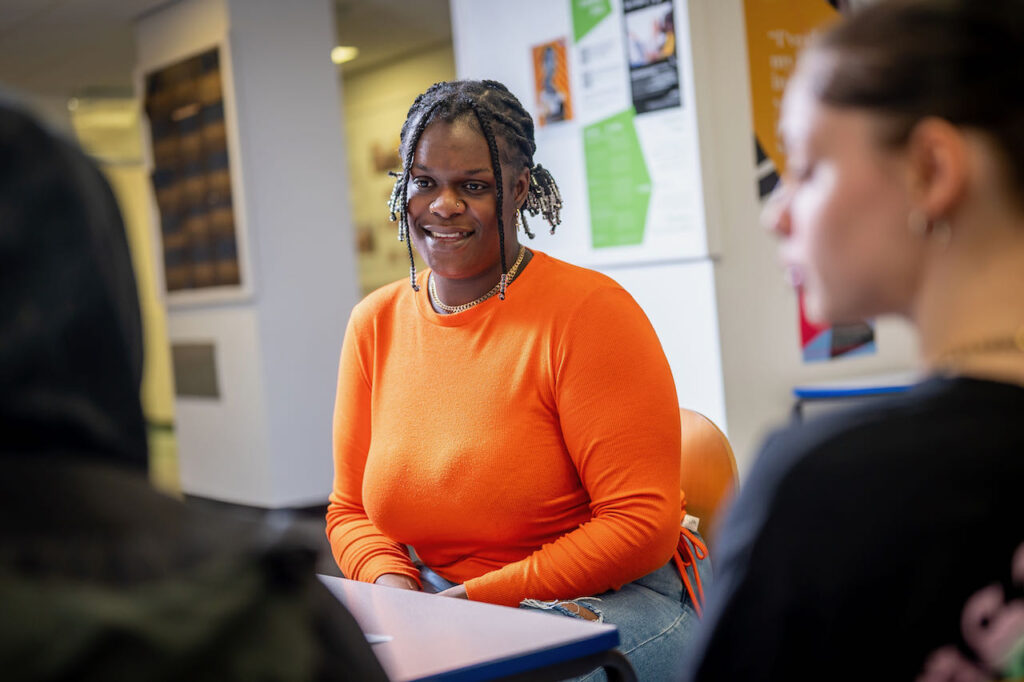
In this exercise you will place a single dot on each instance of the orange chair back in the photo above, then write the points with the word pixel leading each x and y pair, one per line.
pixel 708 473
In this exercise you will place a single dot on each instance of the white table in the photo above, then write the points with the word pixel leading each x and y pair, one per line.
pixel 442 638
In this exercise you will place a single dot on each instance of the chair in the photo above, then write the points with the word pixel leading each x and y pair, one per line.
pixel 708 473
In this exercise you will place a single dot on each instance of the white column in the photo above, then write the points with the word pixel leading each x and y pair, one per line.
pixel 266 440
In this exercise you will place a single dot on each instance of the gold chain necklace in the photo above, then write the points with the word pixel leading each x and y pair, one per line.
pixel 432 287
pixel 1014 342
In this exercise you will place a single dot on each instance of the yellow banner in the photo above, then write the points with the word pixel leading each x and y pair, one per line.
pixel 776 32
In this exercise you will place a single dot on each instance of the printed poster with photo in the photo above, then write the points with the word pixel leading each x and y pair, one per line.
pixel 651 48
pixel 551 82
pixel 776 32
pixel 638 137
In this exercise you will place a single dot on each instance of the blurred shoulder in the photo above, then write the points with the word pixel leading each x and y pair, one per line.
pixel 921 437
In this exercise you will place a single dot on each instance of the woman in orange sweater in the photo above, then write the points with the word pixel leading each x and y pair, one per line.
pixel 509 416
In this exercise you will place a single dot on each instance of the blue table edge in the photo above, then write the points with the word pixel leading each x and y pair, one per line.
pixel 819 393
pixel 511 665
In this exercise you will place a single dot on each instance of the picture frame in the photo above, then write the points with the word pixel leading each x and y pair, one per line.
pixel 191 148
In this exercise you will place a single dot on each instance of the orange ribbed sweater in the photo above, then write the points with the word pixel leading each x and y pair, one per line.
pixel 526 447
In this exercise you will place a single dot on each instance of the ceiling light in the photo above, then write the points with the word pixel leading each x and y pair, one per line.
pixel 344 53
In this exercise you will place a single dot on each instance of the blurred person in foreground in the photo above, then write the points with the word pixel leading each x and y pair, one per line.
pixel 102 577
pixel 887 542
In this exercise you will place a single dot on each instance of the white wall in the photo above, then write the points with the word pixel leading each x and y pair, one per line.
pixel 679 299
pixel 297 206
pixel 224 444
pixel 267 441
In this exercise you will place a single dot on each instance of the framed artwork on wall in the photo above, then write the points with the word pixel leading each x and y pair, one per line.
pixel 191 177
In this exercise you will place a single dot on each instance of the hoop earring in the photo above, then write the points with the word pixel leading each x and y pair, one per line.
pixel 938 231
pixel 917 223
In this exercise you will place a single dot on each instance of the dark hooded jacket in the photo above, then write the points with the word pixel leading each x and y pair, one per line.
pixel 102 577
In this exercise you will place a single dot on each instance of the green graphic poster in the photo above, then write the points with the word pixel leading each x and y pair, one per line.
pixel 586 14
pixel 618 182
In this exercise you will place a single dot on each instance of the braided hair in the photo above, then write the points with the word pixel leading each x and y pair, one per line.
pixel 498 114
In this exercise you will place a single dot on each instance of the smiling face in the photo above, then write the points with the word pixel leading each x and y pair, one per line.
pixel 842 212
pixel 452 207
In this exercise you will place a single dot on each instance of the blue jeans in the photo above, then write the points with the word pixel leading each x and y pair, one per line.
pixel 654 614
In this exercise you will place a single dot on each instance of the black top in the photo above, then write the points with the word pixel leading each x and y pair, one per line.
pixel 859 537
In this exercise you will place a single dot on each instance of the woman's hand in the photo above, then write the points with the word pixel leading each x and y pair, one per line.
pixel 402 582
pixel 459 592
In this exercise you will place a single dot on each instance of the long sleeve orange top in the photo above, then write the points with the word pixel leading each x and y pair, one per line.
pixel 528 448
